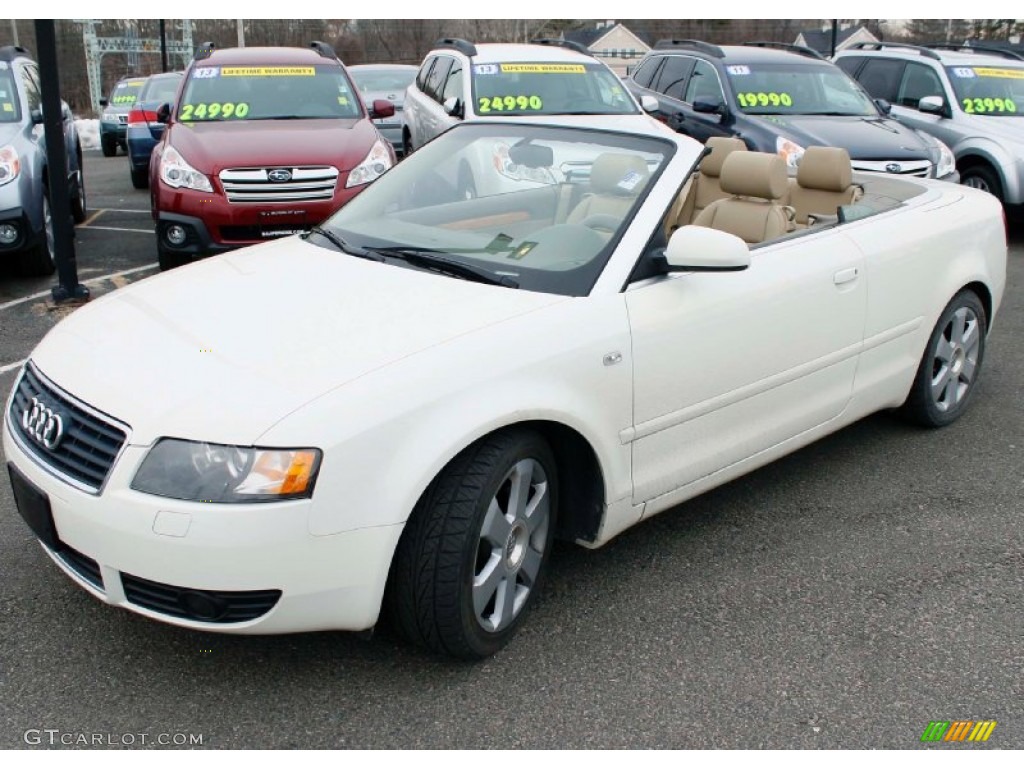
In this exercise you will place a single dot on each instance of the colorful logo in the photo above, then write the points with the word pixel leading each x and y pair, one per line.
pixel 958 730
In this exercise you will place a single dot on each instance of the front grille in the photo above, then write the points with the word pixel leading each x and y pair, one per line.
pixel 84 566
pixel 253 185
pixel 91 440
pixel 919 168
pixel 199 604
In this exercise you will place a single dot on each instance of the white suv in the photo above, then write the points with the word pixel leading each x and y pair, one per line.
pixel 547 77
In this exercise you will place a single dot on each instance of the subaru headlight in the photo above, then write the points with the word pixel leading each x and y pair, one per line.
pixel 518 172
pixel 790 151
pixel 175 172
pixel 947 162
pixel 373 166
pixel 10 164
pixel 227 474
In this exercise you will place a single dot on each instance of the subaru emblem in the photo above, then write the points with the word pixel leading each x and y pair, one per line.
pixel 893 168
pixel 279 175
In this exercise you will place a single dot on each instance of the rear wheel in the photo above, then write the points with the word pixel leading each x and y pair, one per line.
pixel 949 370
pixel 140 178
pixel 109 145
pixel 474 551
pixel 38 260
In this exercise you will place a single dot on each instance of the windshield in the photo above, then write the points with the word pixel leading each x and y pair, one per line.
pixel 267 93
pixel 160 90
pixel 989 91
pixel 537 206
pixel 797 89
pixel 10 109
pixel 376 80
pixel 548 88
pixel 125 93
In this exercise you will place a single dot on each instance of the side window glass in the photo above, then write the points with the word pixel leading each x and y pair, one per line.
pixel 849 64
pixel 672 79
pixel 421 76
pixel 881 78
pixel 453 86
pixel 918 81
pixel 703 85
pixel 31 86
pixel 645 74
pixel 437 77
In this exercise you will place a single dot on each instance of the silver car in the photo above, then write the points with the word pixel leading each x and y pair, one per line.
pixel 970 99
pixel 26 228
pixel 388 82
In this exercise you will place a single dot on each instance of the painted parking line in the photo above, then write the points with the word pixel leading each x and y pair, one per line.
pixel 116 229
pixel 11 366
pixel 111 276
pixel 127 210
pixel 88 223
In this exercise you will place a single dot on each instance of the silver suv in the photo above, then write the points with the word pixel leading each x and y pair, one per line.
pixel 26 230
pixel 972 99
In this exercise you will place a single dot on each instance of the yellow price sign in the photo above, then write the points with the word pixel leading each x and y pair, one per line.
pixel 545 69
pixel 1012 74
pixel 8 107
pixel 267 71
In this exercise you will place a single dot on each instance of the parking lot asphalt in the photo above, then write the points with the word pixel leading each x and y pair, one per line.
pixel 844 596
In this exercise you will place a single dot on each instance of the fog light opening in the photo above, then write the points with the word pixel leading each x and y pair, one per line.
pixel 203 607
pixel 8 234
pixel 176 235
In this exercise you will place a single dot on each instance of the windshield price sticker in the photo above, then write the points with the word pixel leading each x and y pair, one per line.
pixel 213 111
pixel 127 99
pixel 544 69
pixel 267 71
pixel 738 69
pixel 508 103
pixel 485 69
pixel 1011 74
pixel 987 105
pixel 762 99
pixel 202 73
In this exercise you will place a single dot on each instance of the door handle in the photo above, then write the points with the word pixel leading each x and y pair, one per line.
pixel 844 276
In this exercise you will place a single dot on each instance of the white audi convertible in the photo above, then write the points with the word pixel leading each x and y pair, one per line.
pixel 397 413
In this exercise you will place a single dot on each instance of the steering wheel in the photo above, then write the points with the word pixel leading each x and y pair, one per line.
pixel 602 222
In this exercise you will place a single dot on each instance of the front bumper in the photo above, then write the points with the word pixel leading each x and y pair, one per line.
pixel 167 559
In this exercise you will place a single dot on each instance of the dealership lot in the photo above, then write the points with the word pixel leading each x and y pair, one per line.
pixel 844 596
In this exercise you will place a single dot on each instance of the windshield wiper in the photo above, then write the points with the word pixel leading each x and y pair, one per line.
pixel 426 258
pixel 343 246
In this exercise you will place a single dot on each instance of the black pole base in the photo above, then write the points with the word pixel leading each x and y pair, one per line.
pixel 61 295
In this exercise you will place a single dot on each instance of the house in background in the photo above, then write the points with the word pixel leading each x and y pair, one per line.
pixel 612 42
pixel 821 40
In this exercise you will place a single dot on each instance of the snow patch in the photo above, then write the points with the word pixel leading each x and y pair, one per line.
pixel 88 132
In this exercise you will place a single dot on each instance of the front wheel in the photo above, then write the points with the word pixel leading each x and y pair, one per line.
pixel 38 260
pixel 109 145
pixel 984 178
pixel 406 144
pixel 171 259
pixel 949 370
pixel 79 212
pixel 473 553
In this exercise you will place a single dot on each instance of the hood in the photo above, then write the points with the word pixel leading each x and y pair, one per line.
pixel 8 132
pixel 211 147
pixel 865 138
pixel 1002 128
pixel 223 349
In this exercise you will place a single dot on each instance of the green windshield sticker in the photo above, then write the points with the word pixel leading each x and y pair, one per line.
pixel 508 103
pixel 988 105
pixel 214 111
pixel 127 98
pixel 762 99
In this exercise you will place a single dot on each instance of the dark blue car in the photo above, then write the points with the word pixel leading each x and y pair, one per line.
pixel 144 130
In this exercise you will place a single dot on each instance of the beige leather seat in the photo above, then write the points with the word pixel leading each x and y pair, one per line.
pixel 824 182
pixel 704 187
pixel 615 181
pixel 747 175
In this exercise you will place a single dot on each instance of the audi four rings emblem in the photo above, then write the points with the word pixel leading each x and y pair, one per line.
pixel 280 174
pixel 42 424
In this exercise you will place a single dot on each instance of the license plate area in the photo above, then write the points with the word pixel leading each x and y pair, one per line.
pixel 34 507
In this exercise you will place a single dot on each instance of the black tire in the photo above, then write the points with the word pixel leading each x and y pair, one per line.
pixel 430 591
pixel 467 185
pixel 78 203
pixel 982 177
pixel 140 178
pixel 109 146
pixel 406 143
pixel 927 406
pixel 37 261
pixel 171 259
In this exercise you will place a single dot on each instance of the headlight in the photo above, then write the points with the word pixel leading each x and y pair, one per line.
pixel 373 166
pixel 947 162
pixel 10 164
pixel 175 172
pixel 227 474
pixel 790 151
pixel 517 172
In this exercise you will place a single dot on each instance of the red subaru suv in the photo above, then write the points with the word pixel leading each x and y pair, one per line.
pixel 262 143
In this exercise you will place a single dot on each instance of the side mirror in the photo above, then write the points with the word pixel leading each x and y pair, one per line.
pixel 103 102
pixel 701 249
pixel 648 103
pixel 453 106
pixel 883 106
pixel 382 108
pixel 932 105
pixel 163 113
pixel 36 116
pixel 708 107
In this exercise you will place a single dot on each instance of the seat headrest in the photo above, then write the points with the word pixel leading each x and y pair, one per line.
pixel 720 147
pixel 754 174
pixel 618 174
pixel 825 168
